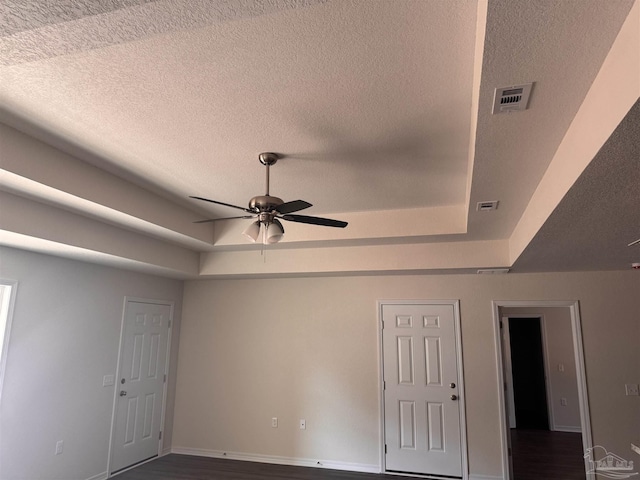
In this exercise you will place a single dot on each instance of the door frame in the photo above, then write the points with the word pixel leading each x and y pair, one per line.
pixel 461 393
pixel 578 350
pixel 8 306
pixel 152 301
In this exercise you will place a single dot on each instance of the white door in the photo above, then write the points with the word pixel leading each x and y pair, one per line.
pixel 140 383
pixel 422 387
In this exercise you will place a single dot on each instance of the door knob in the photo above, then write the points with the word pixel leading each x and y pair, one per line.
pixel 453 397
pixel 123 393
pixel 452 385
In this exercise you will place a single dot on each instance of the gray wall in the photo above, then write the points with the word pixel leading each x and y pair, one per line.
pixel 64 338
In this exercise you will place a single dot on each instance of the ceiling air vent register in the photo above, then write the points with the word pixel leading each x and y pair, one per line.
pixel 487 206
pixel 511 99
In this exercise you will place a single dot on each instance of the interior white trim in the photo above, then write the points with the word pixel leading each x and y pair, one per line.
pixel 547 375
pixel 296 461
pixel 462 396
pixel 583 396
pixel 100 476
pixel 8 311
pixel 131 467
pixel 563 428
pixel 165 451
pixel 508 369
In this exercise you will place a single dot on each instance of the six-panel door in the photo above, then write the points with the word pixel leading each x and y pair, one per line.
pixel 422 416
pixel 140 384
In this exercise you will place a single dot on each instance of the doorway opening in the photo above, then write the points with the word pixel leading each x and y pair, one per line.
pixel 528 377
pixel 543 398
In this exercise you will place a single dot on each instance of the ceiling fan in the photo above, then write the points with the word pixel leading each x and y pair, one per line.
pixel 270 210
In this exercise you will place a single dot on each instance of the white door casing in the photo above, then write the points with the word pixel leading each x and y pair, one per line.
pixel 140 387
pixel 7 301
pixel 508 384
pixel 423 410
pixel 583 399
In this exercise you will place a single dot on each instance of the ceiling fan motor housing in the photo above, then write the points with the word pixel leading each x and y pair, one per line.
pixel 264 203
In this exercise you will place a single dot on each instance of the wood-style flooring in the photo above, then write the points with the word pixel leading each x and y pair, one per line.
pixel 537 454
pixel 186 467
pixel 541 454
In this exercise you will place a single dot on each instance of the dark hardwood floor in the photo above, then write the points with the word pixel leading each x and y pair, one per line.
pixel 537 454
pixel 541 454
pixel 186 467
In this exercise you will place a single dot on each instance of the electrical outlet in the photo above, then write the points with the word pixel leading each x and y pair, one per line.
pixel 563 402
pixel 274 422
pixel 561 367
pixel 303 424
pixel 59 447
pixel 631 389
pixel 107 380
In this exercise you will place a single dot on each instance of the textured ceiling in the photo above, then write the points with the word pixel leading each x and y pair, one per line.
pixel 359 94
pixel 599 216
pixel 380 108
pixel 36 29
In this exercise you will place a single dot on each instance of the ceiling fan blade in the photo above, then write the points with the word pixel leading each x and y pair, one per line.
pixel 293 206
pixel 325 222
pixel 225 218
pixel 222 203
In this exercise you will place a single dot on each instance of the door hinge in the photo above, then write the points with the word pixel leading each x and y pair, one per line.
pixel 169 324
pixel 160 436
pixel 385 448
pixel 165 379
pixel 501 324
pixel 384 385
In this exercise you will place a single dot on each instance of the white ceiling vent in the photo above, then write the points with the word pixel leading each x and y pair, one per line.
pixel 487 206
pixel 511 99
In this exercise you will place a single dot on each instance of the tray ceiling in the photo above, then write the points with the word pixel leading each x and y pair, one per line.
pixel 382 111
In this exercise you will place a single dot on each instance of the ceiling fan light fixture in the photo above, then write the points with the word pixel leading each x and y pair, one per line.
pixel 252 232
pixel 266 208
pixel 275 232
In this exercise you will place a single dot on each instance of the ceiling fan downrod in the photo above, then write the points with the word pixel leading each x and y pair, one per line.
pixel 264 205
pixel 268 159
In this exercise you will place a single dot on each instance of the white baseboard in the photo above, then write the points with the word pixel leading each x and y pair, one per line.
pixel 564 428
pixel 301 462
pixel 483 477
pixel 100 476
pixel 165 451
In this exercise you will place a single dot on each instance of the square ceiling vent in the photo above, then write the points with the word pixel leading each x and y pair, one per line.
pixel 511 99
